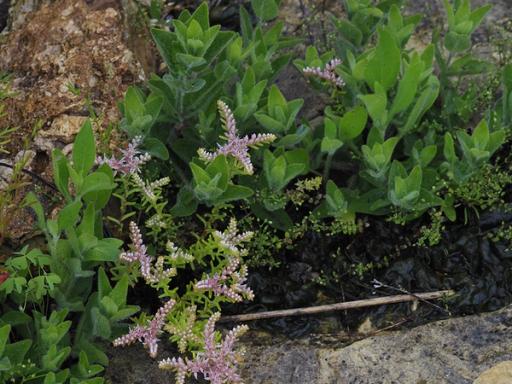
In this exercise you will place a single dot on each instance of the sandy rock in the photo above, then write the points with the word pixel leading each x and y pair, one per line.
pixel 499 374
pixel 67 55
pixel 64 128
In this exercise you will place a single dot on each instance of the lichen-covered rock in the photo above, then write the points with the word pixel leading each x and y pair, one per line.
pixel 453 351
pixel 67 56
pixel 67 59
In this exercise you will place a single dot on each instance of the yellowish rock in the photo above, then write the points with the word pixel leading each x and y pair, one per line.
pixel 499 374
pixel 63 128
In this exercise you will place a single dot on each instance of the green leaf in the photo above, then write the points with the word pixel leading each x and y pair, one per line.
pixel 156 148
pixel 106 250
pixel 101 325
pixel 5 364
pixel 100 198
pixel 95 182
pixel 265 10
pixel 186 203
pixel 4 337
pixel 120 291
pixel 235 192
pixel 201 15
pixel 84 149
pixel 88 221
pixel 449 148
pixel 480 135
pixel 276 98
pixel 16 352
pixel 335 199
pixel 277 173
pixel 478 15
pixel 32 201
pixel 60 172
pixel 352 124
pixel 384 65
pixel 427 154
pixel 330 146
pixel 166 44
pixel 376 106
pixel 245 25
pixel 427 98
pixel 133 104
pixel 14 318
pixel 68 216
pixel 408 86
pixel 456 42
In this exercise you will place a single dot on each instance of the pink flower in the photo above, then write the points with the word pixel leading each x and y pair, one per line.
pixel 237 147
pixel 150 273
pixel 328 73
pixel 131 160
pixel 218 362
pixel 147 334
pixel 230 239
pixel 229 283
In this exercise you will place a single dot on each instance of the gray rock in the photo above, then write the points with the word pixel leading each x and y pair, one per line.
pixel 453 351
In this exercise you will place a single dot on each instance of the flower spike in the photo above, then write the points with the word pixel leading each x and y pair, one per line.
pixel 237 147
pixel 147 334
pixel 131 160
pixel 328 73
pixel 218 361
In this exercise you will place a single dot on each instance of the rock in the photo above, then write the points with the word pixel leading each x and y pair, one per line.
pixel 66 58
pixel 63 128
pixel 499 374
pixel 451 351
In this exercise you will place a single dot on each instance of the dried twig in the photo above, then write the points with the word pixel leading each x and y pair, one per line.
pixel 378 284
pixel 338 306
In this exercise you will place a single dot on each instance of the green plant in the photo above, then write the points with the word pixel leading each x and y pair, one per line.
pixel 383 114
pixel 65 278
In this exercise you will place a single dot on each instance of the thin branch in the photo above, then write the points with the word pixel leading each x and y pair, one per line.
pixel 31 174
pixel 338 306
pixel 377 284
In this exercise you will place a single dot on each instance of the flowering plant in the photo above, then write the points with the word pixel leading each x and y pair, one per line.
pixel 190 317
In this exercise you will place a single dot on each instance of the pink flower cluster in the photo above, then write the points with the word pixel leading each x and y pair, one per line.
pixel 229 283
pixel 237 147
pixel 150 273
pixel 230 239
pixel 147 334
pixel 218 362
pixel 328 73
pixel 131 160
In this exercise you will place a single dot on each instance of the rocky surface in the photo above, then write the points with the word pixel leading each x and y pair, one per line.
pixel 78 61
pixel 67 60
pixel 453 351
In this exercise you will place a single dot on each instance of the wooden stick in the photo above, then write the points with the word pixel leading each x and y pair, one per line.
pixel 338 306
